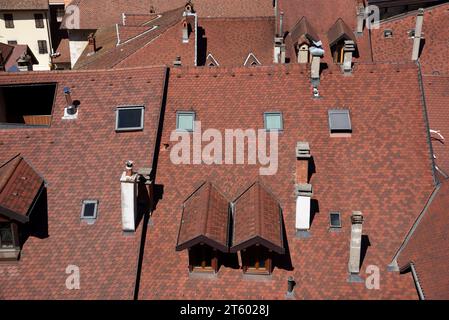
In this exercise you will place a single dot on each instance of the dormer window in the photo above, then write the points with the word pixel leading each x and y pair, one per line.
pixel 129 118
pixel 6 236
pixel 211 61
pixel 252 61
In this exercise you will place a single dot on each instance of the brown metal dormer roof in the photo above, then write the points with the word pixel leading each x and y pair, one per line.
pixel 338 31
pixel 205 219
pixel 257 220
pixel 303 29
pixel 19 187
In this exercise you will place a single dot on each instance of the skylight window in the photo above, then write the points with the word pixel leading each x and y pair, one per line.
pixel 185 120
pixel 334 220
pixel 273 121
pixel 339 121
pixel 89 210
pixel 129 118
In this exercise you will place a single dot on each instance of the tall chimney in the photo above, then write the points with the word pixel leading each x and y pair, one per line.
pixel 418 34
pixel 356 243
pixel 360 18
pixel 279 45
pixel 128 183
pixel 303 190
pixel 185 31
pixel 92 44
pixel 349 50
pixel 317 52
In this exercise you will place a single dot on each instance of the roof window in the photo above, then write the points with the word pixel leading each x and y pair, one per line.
pixel 129 118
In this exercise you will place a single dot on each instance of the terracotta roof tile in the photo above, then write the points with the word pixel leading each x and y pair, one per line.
pixel 205 218
pixel 76 160
pixel 428 247
pixel 23 4
pixel 257 219
pixel 382 170
pixel 21 187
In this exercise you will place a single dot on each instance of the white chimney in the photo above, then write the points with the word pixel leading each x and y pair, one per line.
pixel 317 53
pixel 360 18
pixel 303 190
pixel 185 31
pixel 418 34
pixel 356 242
pixel 279 45
pixel 349 50
pixel 128 182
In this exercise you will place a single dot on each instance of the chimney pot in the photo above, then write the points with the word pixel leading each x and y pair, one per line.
pixel 92 43
pixel 129 168
pixel 290 285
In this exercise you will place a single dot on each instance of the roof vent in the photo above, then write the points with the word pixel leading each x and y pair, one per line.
pixel 71 109
pixel 177 62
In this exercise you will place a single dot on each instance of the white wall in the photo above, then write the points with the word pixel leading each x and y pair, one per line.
pixel 25 32
pixel 78 42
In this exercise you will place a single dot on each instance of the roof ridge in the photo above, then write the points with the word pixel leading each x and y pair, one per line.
pixel 14 163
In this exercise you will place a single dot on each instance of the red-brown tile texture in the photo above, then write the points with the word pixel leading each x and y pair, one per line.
pixel 436 90
pixel 205 214
pixel 83 159
pixel 153 47
pixel 429 246
pixel 21 187
pixel 100 13
pixel 399 48
pixel 257 215
pixel 383 170
pixel 231 40
pixel 23 4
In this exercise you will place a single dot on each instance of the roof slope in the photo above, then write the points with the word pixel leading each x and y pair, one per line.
pixel 23 4
pixel 382 170
pixel 257 219
pixel 428 247
pixel 231 40
pixel 109 54
pixel 303 29
pixel 338 31
pixel 100 13
pixel 83 159
pixel 433 56
pixel 205 218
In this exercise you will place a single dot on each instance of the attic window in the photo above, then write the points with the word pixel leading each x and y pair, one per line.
pixel 185 121
pixel 27 105
pixel 89 210
pixel 339 121
pixel 388 33
pixel 129 118
pixel 6 236
pixel 273 121
pixel 334 220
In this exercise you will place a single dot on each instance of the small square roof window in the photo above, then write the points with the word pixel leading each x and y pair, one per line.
pixel 340 121
pixel 185 121
pixel 89 210
pixel 335 220
pixel 273 121
pixel 129 118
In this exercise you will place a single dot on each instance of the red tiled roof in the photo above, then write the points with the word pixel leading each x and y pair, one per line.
pixel 338 31
pixel 433 57
pixel 64 50
pixel 100 13
pixel 428 247
pixel 257 219
pixel 303 29
pixel 23 4
pixel 436 89
pixel 231 40
pixel 382 170
pixel 205 218
pixel 110 55
pixel 83 159
pixel 19 187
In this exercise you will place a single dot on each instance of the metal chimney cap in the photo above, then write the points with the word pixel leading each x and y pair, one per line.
pixel 129 164
pixel 357 217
